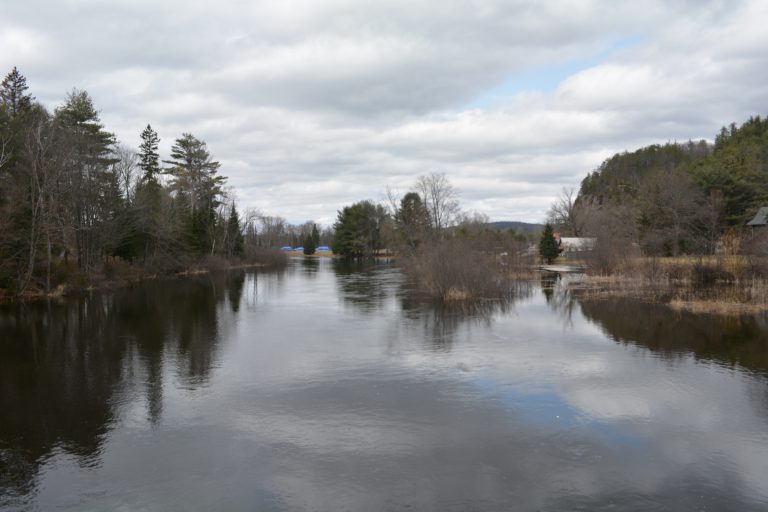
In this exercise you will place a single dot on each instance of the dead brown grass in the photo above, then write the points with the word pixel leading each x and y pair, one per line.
pixel 717 307
pixel 727 285
pixel 454 270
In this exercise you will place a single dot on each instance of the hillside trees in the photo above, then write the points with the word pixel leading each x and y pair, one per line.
pixel 674 216
pixel 620 176
pixel 681 196
pixel 737 169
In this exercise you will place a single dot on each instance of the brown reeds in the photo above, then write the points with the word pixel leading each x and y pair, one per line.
pixel 713 284
pixel 457 270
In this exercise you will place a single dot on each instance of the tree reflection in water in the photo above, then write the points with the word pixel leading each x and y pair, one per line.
pixel 726 340
pixel 65 367
pixel 364 284
pixel 368 286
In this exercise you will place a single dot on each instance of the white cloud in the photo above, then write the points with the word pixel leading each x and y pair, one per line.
pixel 313 105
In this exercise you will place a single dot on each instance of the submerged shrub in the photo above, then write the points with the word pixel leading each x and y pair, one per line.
pixel 455 270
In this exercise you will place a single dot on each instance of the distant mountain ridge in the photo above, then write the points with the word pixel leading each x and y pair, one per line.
pixel 525 227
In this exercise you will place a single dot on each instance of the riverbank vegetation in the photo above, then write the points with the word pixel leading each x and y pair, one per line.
pixel 714 284
pixel 78 209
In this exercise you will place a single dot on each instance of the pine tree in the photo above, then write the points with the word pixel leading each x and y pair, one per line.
pixel 13 93
pixel 149 158
pixel 412 220
pixel 235 241
pixel 194 173
pixel 148 196
pixel 548 248
pixel 315 235
pixel 196 182
pixel 311 240
pixel 88 170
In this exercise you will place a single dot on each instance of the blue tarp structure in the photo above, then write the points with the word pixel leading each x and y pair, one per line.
pixel 298 249
pixel 286 248
pixel 323 248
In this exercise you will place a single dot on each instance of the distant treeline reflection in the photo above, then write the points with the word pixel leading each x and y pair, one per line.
pixel 66 366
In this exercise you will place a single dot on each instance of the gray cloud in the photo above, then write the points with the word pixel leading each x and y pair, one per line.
pixel 313 105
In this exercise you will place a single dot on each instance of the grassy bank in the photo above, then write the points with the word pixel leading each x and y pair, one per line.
pixel 727 285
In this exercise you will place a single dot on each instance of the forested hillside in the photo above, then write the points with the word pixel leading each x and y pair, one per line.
pixel 672 199
pixel 623 174
pixel 734 169
pixel 738 169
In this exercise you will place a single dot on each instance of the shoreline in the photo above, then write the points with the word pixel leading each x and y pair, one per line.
pixel 722 298
pixel 121 282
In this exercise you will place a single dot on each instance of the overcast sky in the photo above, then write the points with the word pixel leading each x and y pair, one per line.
pixel 314 104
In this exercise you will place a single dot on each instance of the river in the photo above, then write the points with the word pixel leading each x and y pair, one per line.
pixel 333 387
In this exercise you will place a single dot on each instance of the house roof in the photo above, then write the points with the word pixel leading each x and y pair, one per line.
pixel 761 218
pixel 578 243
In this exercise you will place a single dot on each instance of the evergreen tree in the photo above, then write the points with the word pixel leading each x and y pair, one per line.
pixel 548 248
pixel 196 182
pixel 315 235
pixel 148 197
pixel 149 158
pixel 235 240
pixel 309 246
pixel 194 173
pixel 311 241
pixel 89 174
pixel 13 101
pixel 358 229
pixel 737 169
pixel 13 94
pixel 412 220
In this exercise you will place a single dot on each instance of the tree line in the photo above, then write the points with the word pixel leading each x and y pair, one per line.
pixel 75 202
pixel 426 215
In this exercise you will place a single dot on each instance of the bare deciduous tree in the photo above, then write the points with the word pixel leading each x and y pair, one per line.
pixel 439 196
pixel 125 169
pixel 674 214
pixel 567 214
pixel 5 153
pixel 614 229
pixel 272 230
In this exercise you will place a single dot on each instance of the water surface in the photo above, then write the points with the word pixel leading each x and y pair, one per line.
pixel 334 387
